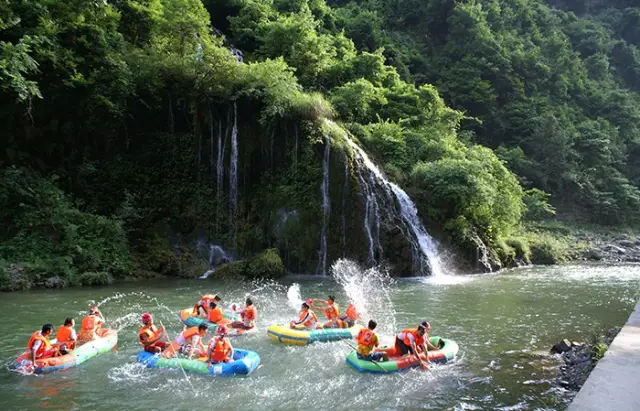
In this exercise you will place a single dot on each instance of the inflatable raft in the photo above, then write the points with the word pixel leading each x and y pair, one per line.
pixel 287 335
pixel 244 362
pixel 445 354
pixel 188 319
pixel 81 354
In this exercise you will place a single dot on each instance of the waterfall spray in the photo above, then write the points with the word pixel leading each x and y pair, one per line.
pixel 326 208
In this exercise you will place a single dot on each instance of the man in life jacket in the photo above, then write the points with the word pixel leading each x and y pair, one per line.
pixel 220 349
pixel 215 315
pixel 150 336
pixel 306 319
pixel 350 317
pixel 201 308
pixel 367 341
pixel 248 314
pixel 414 341
pixel 189 342
pixel 92 325
pixel 39 345
pixel 66 337
pixel 331 311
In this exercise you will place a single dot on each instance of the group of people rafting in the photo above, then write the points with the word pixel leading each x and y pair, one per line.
pixel 190 341
pixel 207 310
pixel 40 346
pixel 411 341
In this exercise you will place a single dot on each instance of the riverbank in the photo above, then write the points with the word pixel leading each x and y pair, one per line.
pixel 614 382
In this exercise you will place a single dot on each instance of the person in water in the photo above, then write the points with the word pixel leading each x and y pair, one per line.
pixel 201 308
pixel 215 315
pixel 220 349
pixel 39 345
pixel 349 318
pixel 151 337
pixel 306 319
pixel 189 342
pixel 248 315
pixel 367 342
pixel 66 336
pixel 331 311
pixel 92 325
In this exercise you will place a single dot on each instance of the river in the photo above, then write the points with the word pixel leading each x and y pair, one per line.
pixel 505 324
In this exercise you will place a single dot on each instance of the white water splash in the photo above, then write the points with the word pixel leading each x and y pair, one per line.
pixel 326 208
pixel 368 290
pixel 294 298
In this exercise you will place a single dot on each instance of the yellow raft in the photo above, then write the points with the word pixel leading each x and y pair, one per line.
pixel 287 335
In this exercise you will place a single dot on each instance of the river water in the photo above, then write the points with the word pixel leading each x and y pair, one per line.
pixel 504 323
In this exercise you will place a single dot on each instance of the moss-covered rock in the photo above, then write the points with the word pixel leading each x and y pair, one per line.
pixel 96 278
pixel 267 264
pixel 13 277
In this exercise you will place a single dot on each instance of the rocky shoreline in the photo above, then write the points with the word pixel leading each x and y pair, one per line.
pixel 621 249
pixel 578 359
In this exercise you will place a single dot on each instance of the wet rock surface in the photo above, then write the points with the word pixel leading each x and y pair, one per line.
pixel 579 359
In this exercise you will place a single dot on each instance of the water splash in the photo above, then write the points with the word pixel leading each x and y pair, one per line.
pixel 294 298
pixel 326 208
pixel 369 291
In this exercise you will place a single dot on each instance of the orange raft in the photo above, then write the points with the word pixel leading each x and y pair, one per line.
pixel 81 354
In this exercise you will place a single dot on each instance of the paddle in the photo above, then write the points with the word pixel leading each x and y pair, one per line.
pixel 375 362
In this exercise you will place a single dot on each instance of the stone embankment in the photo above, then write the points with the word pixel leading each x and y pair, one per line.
pixel 622 249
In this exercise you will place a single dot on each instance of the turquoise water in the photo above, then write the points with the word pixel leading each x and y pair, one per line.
pixel 504 324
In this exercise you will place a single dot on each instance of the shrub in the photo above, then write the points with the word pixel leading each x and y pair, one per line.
pixel 96 278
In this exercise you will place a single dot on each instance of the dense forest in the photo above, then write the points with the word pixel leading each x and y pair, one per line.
pixel 138 133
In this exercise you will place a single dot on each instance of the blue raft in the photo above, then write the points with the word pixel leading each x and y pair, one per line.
pixel 244 363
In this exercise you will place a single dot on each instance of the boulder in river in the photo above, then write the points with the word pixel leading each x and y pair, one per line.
pixel 561 347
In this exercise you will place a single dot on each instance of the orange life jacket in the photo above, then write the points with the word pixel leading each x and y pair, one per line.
pixel 189 333
pixel 221 349
pixel 310 316
pixel 90 322
pixel 419 340
pixel 215 315
pixel 63 335
pixel 37 336
pixel 352 314
pixel 332 311
pixel 150 331
pixel 366 337
pixel 249 313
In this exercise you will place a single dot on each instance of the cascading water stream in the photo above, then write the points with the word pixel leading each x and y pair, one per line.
pixel 233 166
pixel 326 208
pixel 219 164
pixel 423 244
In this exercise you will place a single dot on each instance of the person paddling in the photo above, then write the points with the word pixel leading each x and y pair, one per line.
pixel 66 336
pixel 306 319
pixel 248 314
pixel 367 341
pixel 150 336
pixel 39 345
pixel 220 349
pixel 92 325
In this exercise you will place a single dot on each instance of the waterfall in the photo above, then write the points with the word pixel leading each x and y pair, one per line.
pixel 326 208
pixel 217 257
pixel 233 166
pixel 343 220
pixel 219 163
pixel 424 247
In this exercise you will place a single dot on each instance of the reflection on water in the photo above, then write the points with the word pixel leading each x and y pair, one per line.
pixel 504 324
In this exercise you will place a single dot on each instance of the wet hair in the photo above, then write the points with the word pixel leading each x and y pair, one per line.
pixel 68 321
pixel 305 305
pixel 212 305
pixel 425 325
pixel 203 327
pixel 217 298
pixel 249 301
pixel 47 328
pixel 332 298
pixel 372 325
